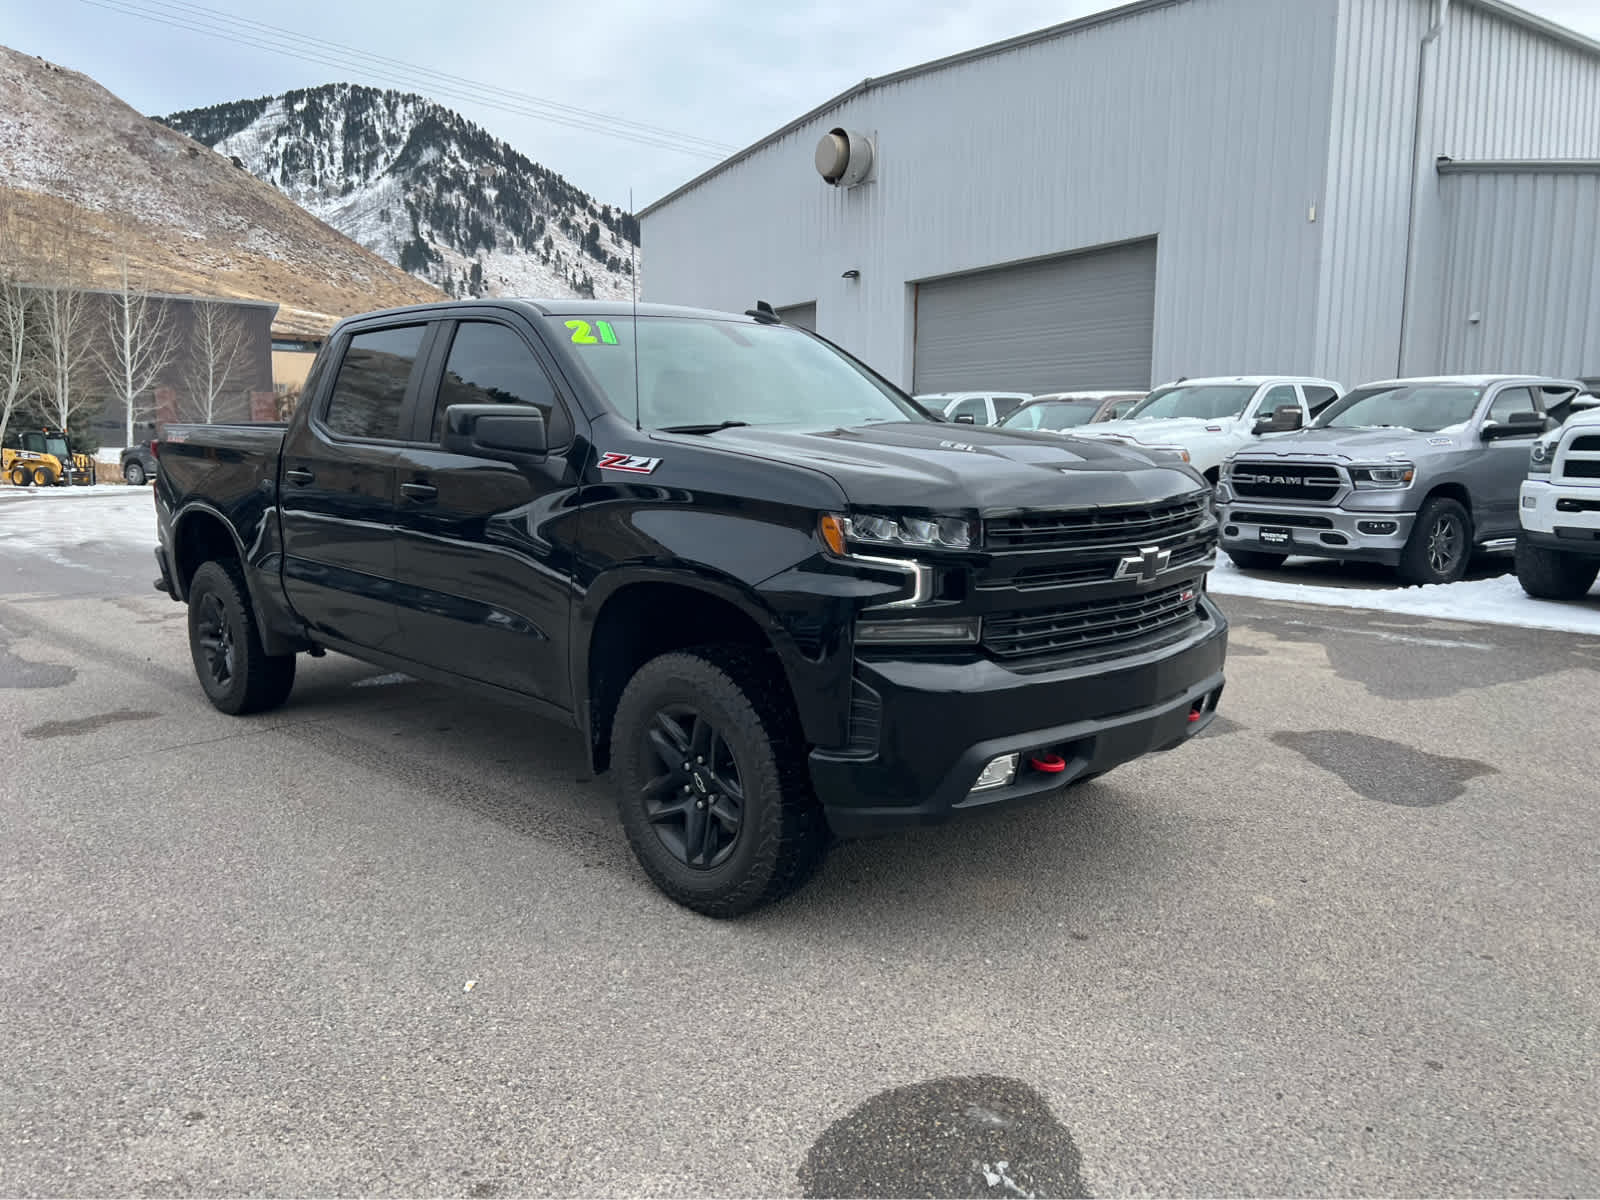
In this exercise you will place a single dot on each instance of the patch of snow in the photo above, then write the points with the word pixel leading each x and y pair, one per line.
pixel 1498 601
pixel 45 521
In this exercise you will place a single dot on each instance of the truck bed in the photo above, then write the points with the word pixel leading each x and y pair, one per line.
pixel 234 468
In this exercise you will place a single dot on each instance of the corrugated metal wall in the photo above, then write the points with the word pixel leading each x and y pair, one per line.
pixel 1204 122
pixel 1498 90
pixel 1521 289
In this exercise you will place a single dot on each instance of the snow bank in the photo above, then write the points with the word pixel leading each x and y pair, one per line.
pixel 51 521
pixel 1498 601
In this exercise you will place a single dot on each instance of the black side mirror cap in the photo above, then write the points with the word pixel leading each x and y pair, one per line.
pixel 494 430
pixel 1281 420
pixel 1517 424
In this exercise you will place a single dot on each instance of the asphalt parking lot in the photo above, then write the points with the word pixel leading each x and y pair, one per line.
pixel 389 941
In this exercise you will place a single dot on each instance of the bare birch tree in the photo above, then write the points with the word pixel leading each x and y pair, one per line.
pixel 138 347
pixel 61 323
pixel 15 307
pixel 218 358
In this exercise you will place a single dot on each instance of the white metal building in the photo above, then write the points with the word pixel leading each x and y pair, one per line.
pixel 1182 187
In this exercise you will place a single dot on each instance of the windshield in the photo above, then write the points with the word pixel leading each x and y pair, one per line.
pixel 58 447
pixel 1425 409
pixel 1210 401
pixel 1057 415
pixel 698 373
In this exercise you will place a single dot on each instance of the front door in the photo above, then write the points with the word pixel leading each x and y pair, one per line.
pixel 1504 465
pixel 485 588
pixel 338 486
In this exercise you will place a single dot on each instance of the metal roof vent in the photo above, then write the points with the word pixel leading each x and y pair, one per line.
pixel 844 157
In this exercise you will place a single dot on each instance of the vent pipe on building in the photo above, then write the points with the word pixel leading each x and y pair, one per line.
pixel 1441 17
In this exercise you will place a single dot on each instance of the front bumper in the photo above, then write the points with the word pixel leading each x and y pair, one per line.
pixel 939 723
pixel 1561 518
pixel 1315 530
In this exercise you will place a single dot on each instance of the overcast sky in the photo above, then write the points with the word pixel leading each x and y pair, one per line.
pixel 725 70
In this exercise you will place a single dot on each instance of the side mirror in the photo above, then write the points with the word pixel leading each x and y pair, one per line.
pixel 1517 424
pixel 966 419
pixel 1285 419
pixel 494 430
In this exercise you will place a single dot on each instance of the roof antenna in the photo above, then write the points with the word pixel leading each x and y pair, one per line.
pixel 633 278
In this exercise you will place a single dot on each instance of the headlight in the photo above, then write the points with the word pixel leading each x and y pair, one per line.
pixel 1387 477
pixel 934 533
pixel 1177 452
pixel 1543 455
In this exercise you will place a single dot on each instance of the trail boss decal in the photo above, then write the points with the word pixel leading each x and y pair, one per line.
pixel 614 460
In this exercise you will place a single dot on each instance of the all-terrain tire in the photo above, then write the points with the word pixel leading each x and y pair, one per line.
pixel 21 477
pixel 781 835
pixel 1256 560
pixel 236 673
pixel 42 477
pixel 134 473
pixel 1439 549
pixel 1547 574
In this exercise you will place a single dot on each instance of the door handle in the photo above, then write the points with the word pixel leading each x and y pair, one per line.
pixel 419 491
pixel 295 475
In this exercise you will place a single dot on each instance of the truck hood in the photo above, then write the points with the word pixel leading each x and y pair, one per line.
pixel 955 468
pixel 1359 445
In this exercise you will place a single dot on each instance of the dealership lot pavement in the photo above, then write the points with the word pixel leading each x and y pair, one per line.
pixel 389 940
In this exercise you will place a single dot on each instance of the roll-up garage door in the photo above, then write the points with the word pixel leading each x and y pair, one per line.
pixel 803 315
pixel 1081 321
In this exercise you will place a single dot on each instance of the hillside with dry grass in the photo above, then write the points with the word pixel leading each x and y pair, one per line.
pixel 85 178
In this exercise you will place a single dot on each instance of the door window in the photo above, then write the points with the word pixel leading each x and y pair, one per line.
pixel 1318 398
pixel 1512 400
pixel 973 408
pixel 371 386
pixel 1004 406
pixel 490 364
pixel 1278 397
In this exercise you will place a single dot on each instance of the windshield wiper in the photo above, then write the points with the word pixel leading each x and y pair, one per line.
pixel 701 428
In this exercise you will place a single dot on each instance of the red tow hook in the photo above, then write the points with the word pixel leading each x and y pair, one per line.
pixel 1194 715
pixel 1050 764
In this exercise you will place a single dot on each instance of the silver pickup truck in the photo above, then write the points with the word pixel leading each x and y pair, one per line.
pixel 1411 473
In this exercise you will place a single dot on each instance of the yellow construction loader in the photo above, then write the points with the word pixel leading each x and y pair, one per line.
pixel 41 458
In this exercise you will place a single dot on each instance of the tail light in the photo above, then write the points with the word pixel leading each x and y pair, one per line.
pixel 155 449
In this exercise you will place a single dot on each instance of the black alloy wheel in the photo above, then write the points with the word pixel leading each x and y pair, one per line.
pixel 1447 542
pixel 214 635
pixel 1439 549
pixel 695 802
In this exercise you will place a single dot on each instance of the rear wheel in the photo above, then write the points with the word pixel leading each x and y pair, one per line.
pixel 1550 575
pixel 134 473
pixel 1256 560
pixel 1440 546
pixel 21 476
pixel 715 797
pixel 237 674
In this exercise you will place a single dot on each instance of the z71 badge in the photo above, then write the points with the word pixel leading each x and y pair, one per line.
pixel 613 460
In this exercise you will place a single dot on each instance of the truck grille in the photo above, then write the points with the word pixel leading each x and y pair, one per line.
pixel 1589 444
pixel 1316 483
pixel 1095 624
pixel 1582 468
pixel 1098 570
pixel 1092 528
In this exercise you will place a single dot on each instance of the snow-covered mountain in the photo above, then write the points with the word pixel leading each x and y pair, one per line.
pixel 426 189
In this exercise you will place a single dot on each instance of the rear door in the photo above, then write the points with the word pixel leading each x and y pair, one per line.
pixel 337 489
pixel 482 553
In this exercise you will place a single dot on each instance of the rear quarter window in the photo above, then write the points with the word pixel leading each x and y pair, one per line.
pixel 370 389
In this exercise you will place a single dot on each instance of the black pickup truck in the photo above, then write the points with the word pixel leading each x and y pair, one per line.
pixel 779 599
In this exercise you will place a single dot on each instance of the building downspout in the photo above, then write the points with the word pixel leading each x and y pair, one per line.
pixel 1440 18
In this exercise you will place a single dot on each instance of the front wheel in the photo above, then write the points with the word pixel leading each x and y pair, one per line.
pixel 42 477
pixel 715 797
pixel 1256 560
pixel 134 473
pixel 1550 575
pixel 237 674
pixel 21 476
pixel 1440 546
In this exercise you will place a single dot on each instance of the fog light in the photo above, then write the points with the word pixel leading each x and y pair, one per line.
pixel 998 773
pixel 1530 502
pixel 1377 528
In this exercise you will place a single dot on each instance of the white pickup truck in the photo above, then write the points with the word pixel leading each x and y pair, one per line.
pixel 1203 421
pixel 1558 550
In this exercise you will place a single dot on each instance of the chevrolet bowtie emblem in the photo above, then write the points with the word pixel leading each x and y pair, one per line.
pixel 1146 565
